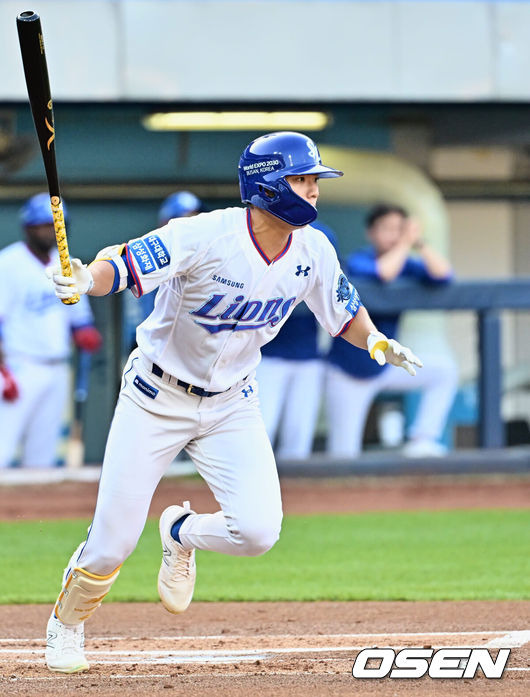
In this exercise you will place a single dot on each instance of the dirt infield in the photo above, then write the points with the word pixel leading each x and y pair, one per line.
pixel 280 649
pixel 241 649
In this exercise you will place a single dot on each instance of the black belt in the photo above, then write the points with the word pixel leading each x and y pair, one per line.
pixel 190 389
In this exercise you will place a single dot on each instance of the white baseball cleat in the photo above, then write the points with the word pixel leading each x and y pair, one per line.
pixel 176 578
pixel 65 647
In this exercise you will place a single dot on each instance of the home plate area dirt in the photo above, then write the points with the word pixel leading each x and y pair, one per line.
pixel 263 648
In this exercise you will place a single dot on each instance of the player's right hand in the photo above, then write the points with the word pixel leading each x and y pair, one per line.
pixel 9 387
pixel 65 287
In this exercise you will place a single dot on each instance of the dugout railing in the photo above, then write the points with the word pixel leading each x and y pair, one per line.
pixel 486 299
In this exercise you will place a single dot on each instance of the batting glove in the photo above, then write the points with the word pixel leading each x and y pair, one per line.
pixel 9 387
pixel 385 350
pixel 65 287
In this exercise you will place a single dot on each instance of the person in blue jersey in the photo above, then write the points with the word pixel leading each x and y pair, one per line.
pixel 290 376
pixel 396 250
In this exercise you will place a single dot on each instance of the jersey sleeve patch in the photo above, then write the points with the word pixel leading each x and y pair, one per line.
pixel 158 250
pixel 354 303
pixel 142 256
pixel 344 289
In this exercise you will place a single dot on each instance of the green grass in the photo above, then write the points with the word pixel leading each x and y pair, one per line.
pixel 372 556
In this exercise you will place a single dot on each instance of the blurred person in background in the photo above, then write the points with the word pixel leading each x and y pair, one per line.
pixel 181 204
pixel 35 342
pixel 396 250
pixel 291 378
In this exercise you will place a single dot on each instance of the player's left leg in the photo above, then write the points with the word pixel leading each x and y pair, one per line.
pixel 233 454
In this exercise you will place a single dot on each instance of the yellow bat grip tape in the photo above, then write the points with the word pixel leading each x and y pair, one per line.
pixel 62 243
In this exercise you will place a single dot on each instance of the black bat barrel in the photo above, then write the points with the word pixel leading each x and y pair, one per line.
pixel 38 84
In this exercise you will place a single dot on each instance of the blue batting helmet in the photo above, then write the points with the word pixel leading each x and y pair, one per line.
pixel 263 167
pixel 38 210
pixel 178 205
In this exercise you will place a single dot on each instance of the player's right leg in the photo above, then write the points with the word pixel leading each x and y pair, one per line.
pixel 140 447
pixel 81 595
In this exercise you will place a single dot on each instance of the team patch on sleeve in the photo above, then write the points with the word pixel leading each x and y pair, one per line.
pixel 158 250
pixel 354 303
pixel 344 289
pixel 142 256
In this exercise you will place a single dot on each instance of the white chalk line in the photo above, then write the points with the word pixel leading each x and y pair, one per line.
pixel 511 640
pixel 219 637
pixel 156 656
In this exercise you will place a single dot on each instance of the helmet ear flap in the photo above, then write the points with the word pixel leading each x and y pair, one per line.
pixel 268 193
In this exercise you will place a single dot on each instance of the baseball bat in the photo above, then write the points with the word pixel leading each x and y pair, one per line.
pixel 40 100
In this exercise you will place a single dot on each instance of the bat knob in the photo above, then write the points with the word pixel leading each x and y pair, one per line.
pixel 28 16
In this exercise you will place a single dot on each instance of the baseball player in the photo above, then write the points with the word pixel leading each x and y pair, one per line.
pixel 35 342
pixel 227 281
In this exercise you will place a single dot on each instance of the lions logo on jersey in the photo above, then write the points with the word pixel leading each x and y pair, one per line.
pixel 343 289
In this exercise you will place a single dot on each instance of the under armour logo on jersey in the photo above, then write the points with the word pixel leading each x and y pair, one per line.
pixel 301 270
pixel 248 391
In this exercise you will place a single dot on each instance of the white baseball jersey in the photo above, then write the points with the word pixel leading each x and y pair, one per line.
pixel 33 322
pixel 221 298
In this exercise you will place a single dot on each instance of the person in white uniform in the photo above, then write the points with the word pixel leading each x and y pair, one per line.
pixel 227 281
pixel 352 381
pixel 36 335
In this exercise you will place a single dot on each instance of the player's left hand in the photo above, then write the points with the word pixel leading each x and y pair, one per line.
pixel 384 350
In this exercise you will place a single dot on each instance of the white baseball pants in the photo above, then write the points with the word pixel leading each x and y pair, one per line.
pixel 35 419
pixel 348 400
pixel 290 394
pixel 226 439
